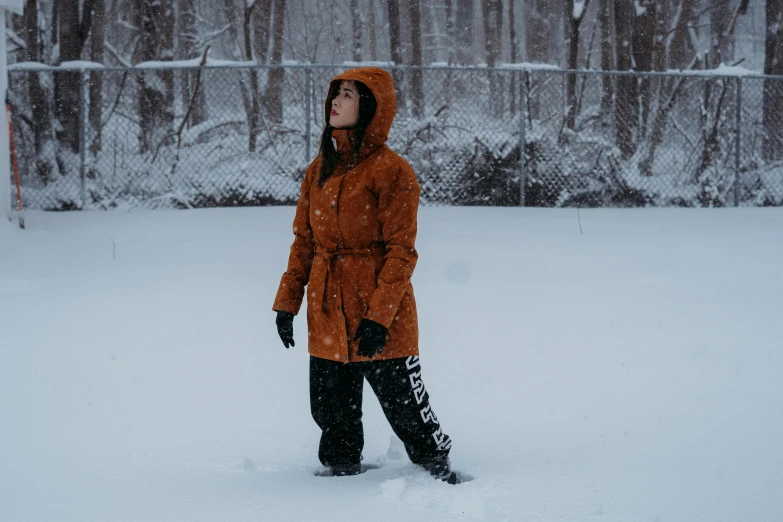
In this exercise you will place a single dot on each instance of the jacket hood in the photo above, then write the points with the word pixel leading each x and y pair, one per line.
pixel 382 87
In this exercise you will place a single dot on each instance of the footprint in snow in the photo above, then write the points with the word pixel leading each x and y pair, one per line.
pixel 465 499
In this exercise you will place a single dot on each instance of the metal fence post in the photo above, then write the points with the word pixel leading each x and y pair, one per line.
pixel 83 83
pixel 737 142
pixel 522 137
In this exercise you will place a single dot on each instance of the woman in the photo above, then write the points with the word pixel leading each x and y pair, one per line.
pixel 354 235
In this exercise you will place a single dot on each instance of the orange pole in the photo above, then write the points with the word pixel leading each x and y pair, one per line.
pixel 19 204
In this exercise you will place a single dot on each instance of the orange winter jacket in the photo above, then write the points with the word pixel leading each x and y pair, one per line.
pixel 354 240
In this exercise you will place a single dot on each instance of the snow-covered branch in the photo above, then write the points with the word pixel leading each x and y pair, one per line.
pixel 15 39
pixel 117 55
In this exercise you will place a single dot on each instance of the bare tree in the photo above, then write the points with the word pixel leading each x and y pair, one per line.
pixel 539 27
pixel 274 89
pixel 682 43
pixel 642 48
pixel 395 40
pixel 40 108
pixel 188 48
pixel 576 13
pixel 55 34
pixel 607 57
pixel 254 17
pixel 434 23
pixel 97 43
pixel 463 30
pixel 36 93
pixel 268 29
pixel 74 26
pixel 540 23
pixel 513 43
pixel 450 31
pixel 417 86
pixel 261 25
pixel 155 20
pixel 357 23
pixel 668 27
pixel 662 37
pixel 624 108
pixel 259 37
pixel 492 11
pixel 772 147
pixel 373 35
pixel 721 44
pixel 712 106
pixel 395 47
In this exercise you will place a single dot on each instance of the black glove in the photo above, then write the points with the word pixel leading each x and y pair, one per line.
pixel 285 327
pixel 373 337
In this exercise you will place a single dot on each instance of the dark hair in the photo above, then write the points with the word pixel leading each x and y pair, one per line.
pixel 367 107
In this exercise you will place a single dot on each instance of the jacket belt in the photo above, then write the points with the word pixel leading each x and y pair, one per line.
pixel 330 255
pixel 367 252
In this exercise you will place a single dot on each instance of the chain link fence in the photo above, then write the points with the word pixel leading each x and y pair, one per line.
pixel 238 135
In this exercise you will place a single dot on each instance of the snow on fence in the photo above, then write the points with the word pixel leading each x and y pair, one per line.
pixel 180 136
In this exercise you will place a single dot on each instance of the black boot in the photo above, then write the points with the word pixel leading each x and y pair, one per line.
pixel 346 470
pixel 440 468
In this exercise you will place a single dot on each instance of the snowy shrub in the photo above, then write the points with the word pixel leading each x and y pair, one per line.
pixel 578 170
pixel 763 185
pixel 490 175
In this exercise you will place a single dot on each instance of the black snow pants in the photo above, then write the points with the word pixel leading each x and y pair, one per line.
pixel 336 405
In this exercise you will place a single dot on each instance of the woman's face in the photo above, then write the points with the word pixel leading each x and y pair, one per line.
pixel 345 106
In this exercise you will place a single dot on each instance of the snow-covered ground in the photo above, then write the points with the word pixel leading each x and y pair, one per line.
pixel 629 373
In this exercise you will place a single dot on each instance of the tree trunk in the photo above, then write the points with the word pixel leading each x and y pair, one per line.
pixel 262 19
pixel 670 88
pixel 450 31
pixel 721 42
pixel 464 33
pixel 661 38
pixel 395 48
pixel 66 84
pixel 188 49
pixel 155 19
pixel 492 11
pixel 254 95
pixel 97 42
pixel 373 36
pixel 357 23
pixel 772 146
pixel 45 160
pixel 234 19
pixel 575 12
pixel 163 11
pixel 274 89
pixel 625 112
pixel 642 49
pixel 395 41
pixel 710 127
pixel 55 24
pixel 539 29
pixel 513 43
pixel 681 49
pixel 659 124
pixel 432 27
pixel 417 87
pixel 35 92
pixel 607 59
pixel 539 26
pixel 642 45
